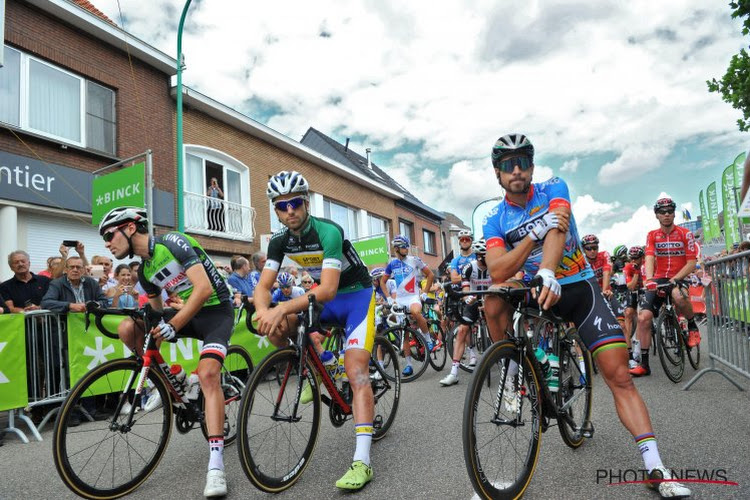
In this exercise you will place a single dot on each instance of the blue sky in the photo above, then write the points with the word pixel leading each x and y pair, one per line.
pixel 613 94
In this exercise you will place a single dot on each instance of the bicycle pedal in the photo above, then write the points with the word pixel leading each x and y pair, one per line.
pixel 377 422
pixel 587 430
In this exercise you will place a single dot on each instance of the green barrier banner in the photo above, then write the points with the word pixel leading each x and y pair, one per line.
pixel 258 347
pixel 739 307
pixel 713 210
pixel 13 387
pixel 707 236
pixel 372 251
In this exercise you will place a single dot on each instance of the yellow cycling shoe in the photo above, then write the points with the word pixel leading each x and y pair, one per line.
pixel 358 475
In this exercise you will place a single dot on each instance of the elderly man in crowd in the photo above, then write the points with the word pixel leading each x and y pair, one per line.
pixel 71 292
pixel 24 291
pixel 106 280
pixel 240 278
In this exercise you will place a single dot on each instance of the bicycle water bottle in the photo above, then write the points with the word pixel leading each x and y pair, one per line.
pixel 553 380
pixel 179 375
pixel 329 363
pixel 541 356
pixel 193 389
pixel 341 373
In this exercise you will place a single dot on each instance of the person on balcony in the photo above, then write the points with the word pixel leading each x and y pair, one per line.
pixel 215 206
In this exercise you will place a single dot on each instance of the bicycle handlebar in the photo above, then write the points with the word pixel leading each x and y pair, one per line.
pixel 147 314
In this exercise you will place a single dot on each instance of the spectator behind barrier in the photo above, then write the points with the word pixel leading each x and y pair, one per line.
pixel 123 295
pixel 64 252
pixel 72 291
pixel 259 261
pixel 25 290
pixel 52 264
pixel 307 282
pixel 240 278
pixel 106 281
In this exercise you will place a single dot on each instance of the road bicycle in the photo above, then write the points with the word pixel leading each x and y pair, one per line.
pixel 509 402
pixel 400 325
pixel 277 431
pixel 435 329
pixel 671 337
pixel 104 459
pixel 478 340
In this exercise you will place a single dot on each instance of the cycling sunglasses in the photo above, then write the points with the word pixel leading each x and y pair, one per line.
pixel 109 235
pixel 509 165
pixel 295 203
pixel 665 212
pixel 587 248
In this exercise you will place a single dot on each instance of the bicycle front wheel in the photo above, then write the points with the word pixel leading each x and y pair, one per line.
pixel 386 386
pixel 412 355
pixel 694 355
pixel 671 347
pixel 277 433
pixel 439 354
pixel 574 395
pixel 502 423
pixel 234 376
pixel 104 459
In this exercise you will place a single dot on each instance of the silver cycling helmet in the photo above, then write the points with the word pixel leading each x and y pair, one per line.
pixel 286 182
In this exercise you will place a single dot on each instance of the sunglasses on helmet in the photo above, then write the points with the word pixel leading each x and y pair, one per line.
pixel 509 165
pixel 284 205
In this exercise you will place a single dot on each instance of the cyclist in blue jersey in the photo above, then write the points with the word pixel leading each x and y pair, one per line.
pixel 287 290
pixel 533 228
pixel 466 255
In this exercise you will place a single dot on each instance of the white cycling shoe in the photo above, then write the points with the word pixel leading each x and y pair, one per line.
pixel 216 484
pixel 449 379
pixel 153 402
pixel 667 489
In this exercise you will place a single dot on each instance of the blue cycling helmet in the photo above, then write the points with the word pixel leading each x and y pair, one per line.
pixel 400 241
pixel 285 279
pixel 377 272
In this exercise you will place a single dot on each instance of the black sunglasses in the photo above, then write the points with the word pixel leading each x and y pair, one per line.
pixel 509 165
pixel 295 203
pixel 591 248
pixel 109 235
pixel 665 212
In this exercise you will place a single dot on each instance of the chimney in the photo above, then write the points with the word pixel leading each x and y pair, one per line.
pixel 346 148
pixel 369 164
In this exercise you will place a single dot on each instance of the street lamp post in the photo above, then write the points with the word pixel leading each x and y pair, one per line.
pixel 180 66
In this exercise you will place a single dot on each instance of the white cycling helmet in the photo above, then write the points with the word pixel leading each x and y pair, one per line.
pixel 120 215
pixel 465 233
pixel 479 247
pixel 286 182
pixel 377 272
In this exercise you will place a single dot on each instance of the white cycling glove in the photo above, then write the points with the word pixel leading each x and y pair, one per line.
pixel 166 330
pixel 548 280
pixel 543 225
pixel 423 297
pixel 390 301
pixel 469 300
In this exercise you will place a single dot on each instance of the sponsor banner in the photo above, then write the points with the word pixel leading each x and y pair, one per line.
pixel 697 299
pixel 373 251
pixel 13 385
pixel 707 235
pixel 731 224
pixel 126 187
pixel 713 210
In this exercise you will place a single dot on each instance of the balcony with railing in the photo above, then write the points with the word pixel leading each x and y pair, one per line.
pixel 219 218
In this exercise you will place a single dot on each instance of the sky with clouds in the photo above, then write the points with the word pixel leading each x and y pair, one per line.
pixel 612 94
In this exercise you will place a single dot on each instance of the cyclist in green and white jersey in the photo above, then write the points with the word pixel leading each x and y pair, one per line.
pixel 176 262
pixel 318 246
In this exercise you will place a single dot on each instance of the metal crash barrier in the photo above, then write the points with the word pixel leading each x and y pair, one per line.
pixel 46 360
pixel 728 315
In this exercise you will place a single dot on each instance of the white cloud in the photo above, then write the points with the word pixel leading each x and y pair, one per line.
pixel 591 214
pixel 570 165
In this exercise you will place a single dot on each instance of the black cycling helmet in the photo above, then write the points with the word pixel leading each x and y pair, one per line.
pixel 664 203
pixel 511 144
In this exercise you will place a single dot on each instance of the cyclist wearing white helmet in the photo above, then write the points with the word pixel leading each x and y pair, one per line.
pixel 175 262
pixel 404 269
pixel 474 277
pixel 466 255
pixel 319 247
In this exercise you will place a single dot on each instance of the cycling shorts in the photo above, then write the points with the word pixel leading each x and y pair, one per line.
pixel 355 312
pixel 469 313
pixel 618 308
pixel 632 300
pixel 651 301
pixel 408 300
pixel 213 325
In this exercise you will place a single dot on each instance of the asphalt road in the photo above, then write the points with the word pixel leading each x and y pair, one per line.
pixel 706 428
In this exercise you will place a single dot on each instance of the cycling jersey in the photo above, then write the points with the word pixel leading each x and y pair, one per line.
pixel 507 224
pixel 321 246
pixel 475 278
pixel 458 263
pixel 404 273
pixel 599 265
pixel 278 296
pixel 171 254
pixel 671 251
pixel 631 270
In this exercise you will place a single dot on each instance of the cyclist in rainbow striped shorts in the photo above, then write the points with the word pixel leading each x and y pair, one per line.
pixel 533 228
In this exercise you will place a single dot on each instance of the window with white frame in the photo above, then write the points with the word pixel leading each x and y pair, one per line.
pixel 376 225
pixel 343 216
pixel 406 229
pixel 47 100
pixel 429 241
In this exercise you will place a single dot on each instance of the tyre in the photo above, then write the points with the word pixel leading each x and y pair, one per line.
pixel 275 441
pixel 437 357
pixel 574 396
pixel 671 347
pixel 471 342
pixel 385 378
pixel 235 374
pixel 502 430
pixel 110 458
pixel 694 355
pixel 416 349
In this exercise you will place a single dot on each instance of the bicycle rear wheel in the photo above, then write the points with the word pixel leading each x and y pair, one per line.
pixel 235 374
pixel 277 434
pixel 471 349
pixel 694 355
pixel 574 396
pixel 385 378
pixel 110 458
pixel 671 347
pixel 502 423
pixel 438 356
pixel 416 349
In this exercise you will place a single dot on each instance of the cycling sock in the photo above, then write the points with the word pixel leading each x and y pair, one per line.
pixel 364 439
pixel 644 359
pixel 691 324
pixel 454 368
pixel 649 451
pixel 408 360
pixel 216 445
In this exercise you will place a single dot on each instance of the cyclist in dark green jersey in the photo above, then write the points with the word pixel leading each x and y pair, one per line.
pixel 319 246
pixel 176 262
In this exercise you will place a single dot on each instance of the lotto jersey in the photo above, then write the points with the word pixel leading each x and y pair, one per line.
pixel 475 278
pixel 631 270
pixel 671 251
pixel 507 224
pixel 599 265
pixel 458 263
pixel 404 273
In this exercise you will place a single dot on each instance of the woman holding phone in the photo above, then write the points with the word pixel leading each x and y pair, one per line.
pixel 123 295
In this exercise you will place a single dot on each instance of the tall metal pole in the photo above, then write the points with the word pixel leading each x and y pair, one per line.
pixel 180 66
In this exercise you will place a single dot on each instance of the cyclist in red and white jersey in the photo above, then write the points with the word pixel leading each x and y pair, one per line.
pixel 633 271
pixel 602 267
pixel 670 257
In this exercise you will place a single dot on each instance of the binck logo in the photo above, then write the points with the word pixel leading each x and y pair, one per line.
pixel 118 194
